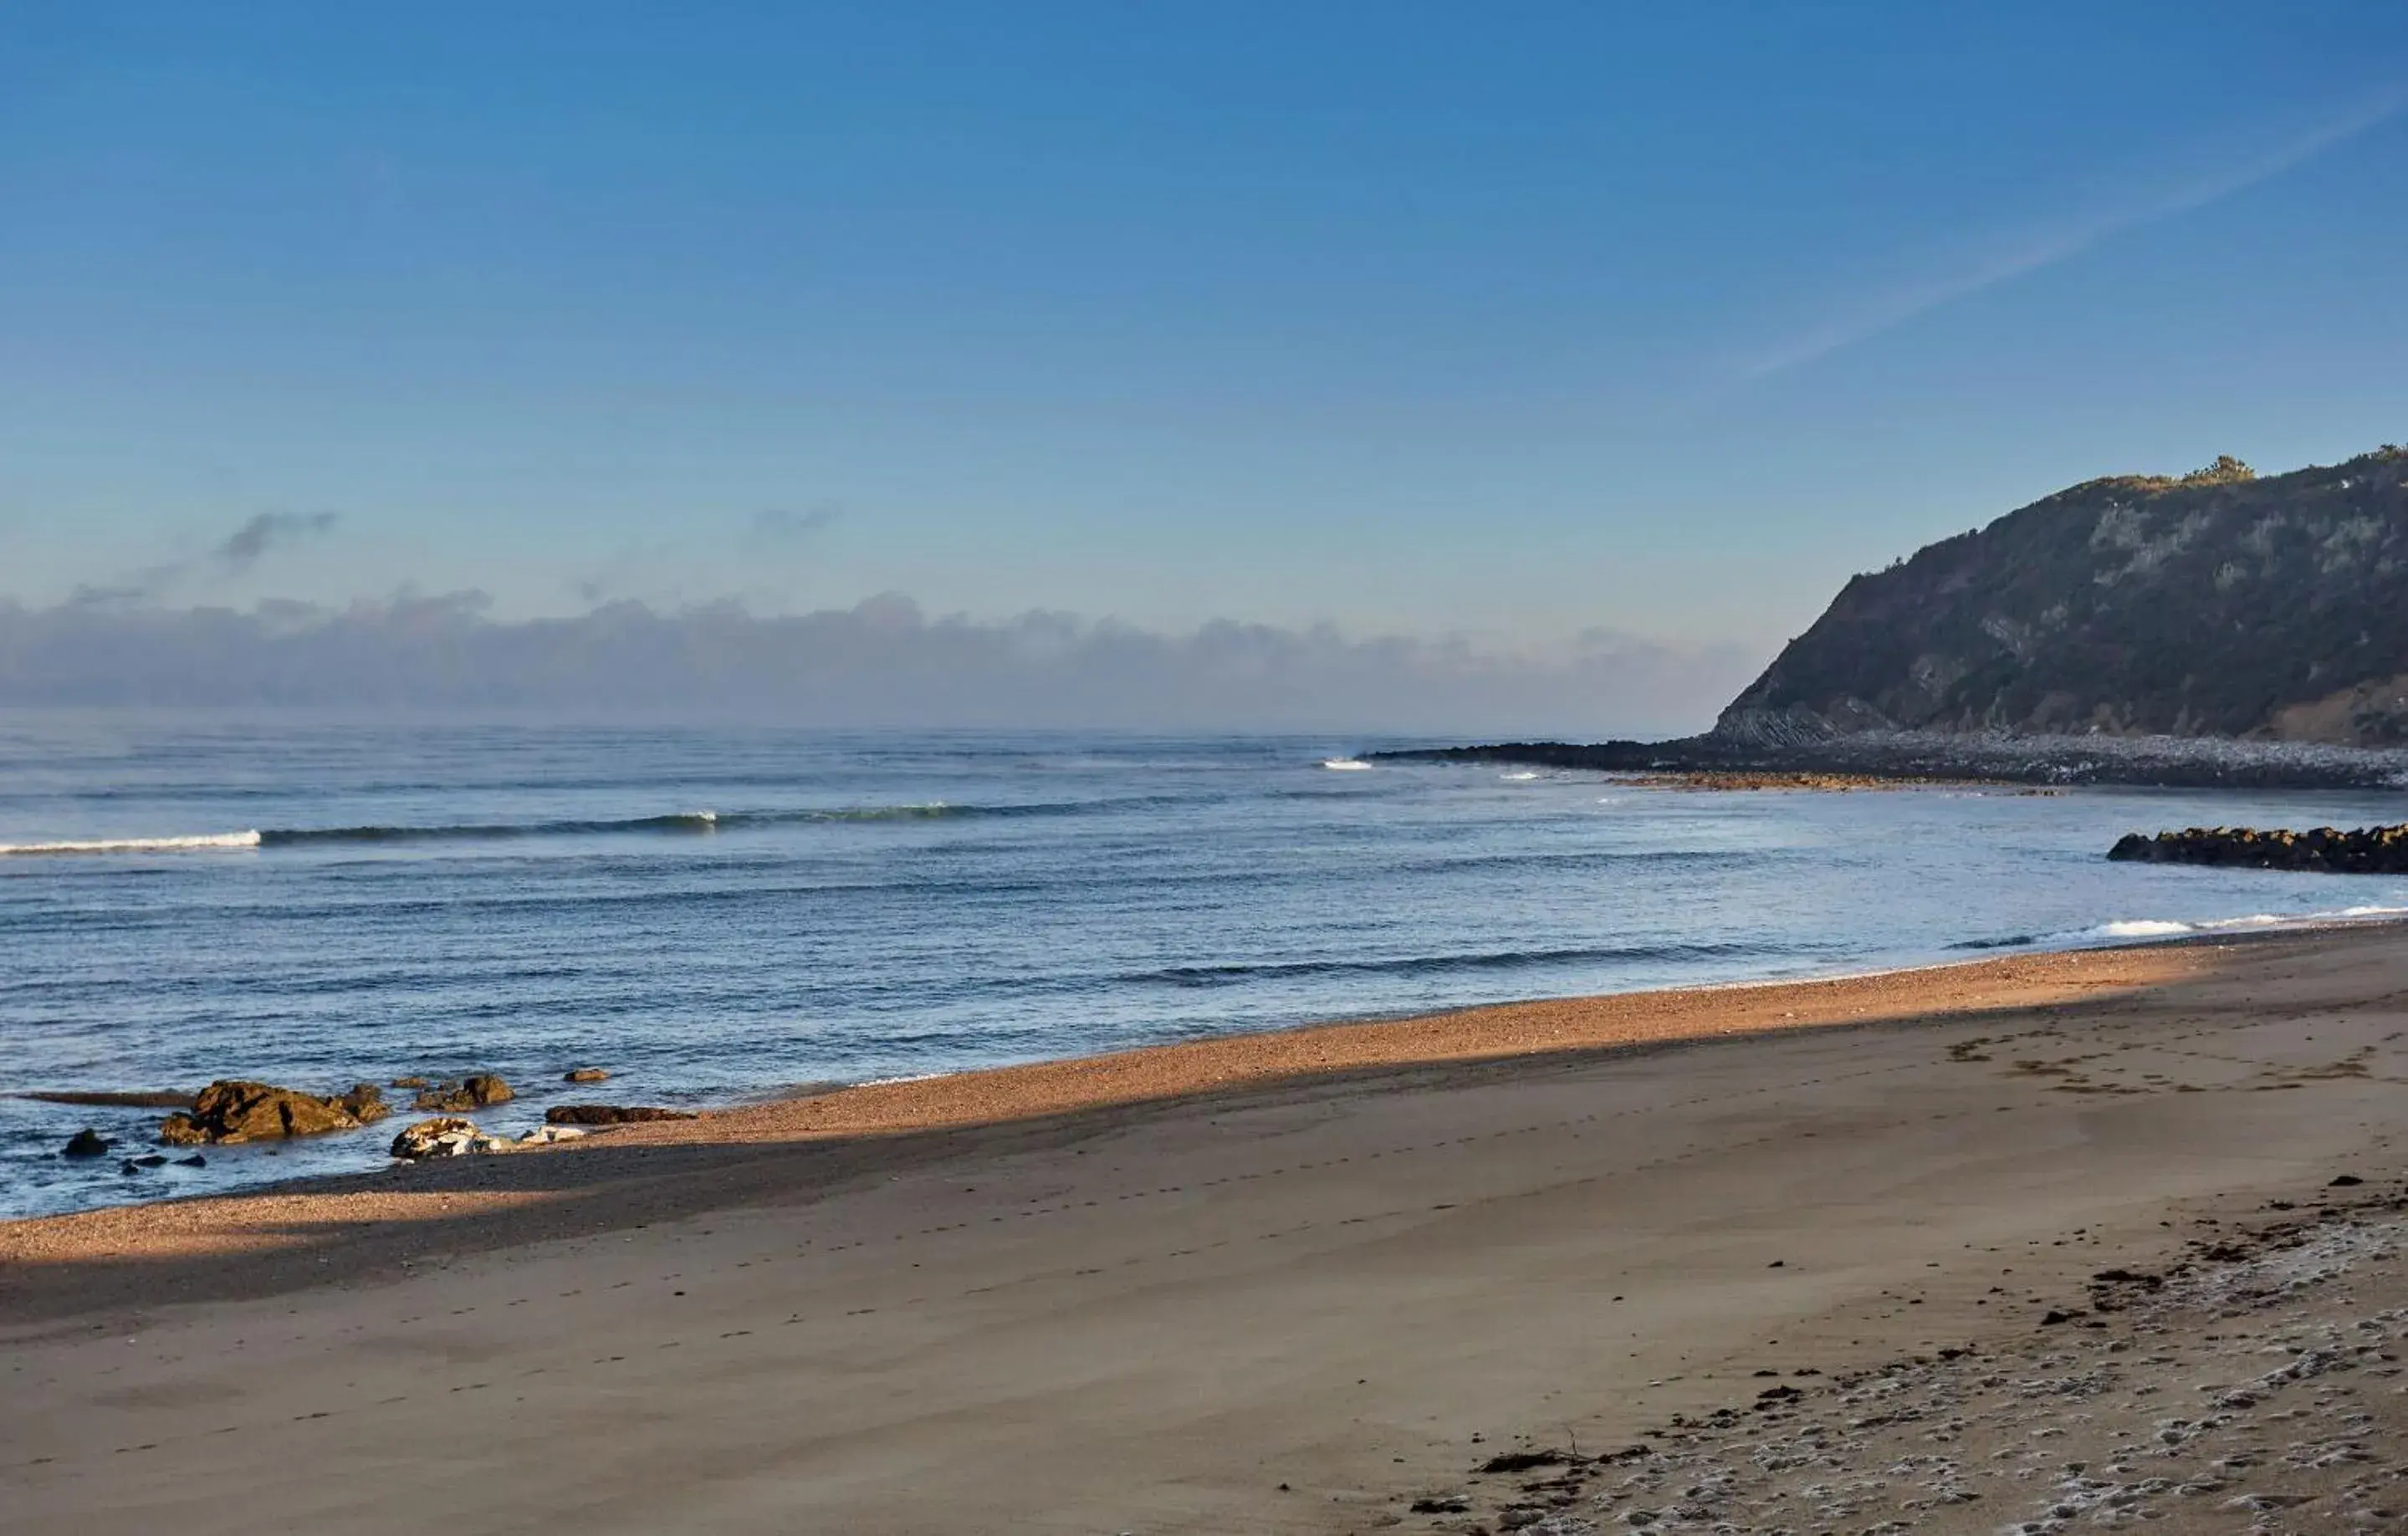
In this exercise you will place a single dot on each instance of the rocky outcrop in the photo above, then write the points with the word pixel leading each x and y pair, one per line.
pixel 446 1137
pixel 585 1074
pixel 2369 850
pixel 2215 604
pixel 2205 762
pixel 477 1090
pixel 87 1143
pixel 610 1113
pixel 231 1111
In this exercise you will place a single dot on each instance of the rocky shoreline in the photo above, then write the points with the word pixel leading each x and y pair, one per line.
pixel 1928 756
pixel 234 1111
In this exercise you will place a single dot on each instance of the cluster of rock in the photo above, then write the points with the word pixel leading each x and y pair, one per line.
pixel 449 1136
pixel 2368 851
pixel 234 1111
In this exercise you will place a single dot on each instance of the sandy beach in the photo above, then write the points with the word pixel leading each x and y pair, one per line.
pixel 1667 1250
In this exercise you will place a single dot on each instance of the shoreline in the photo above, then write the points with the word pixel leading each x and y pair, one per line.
pixel 1066 1093
pixel 1172 1071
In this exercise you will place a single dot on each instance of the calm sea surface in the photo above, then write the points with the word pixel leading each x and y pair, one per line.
pixel 719 913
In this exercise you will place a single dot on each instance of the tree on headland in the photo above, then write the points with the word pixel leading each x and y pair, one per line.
pixel 2226 470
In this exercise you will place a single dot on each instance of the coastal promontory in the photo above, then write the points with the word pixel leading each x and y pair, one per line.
pixel 2220 628
pixel 2218 603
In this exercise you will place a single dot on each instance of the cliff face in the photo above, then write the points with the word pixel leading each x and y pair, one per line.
pixel 2217 605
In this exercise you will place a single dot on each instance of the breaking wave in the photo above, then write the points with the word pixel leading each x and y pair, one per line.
pixel 2123 929
pixel 203 843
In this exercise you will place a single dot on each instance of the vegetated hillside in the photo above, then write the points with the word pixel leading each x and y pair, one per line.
pixel 2216 605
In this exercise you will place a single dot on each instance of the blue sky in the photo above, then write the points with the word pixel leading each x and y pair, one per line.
pixel 1506 321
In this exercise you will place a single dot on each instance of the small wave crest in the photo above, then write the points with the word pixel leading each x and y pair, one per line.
pixel 1346 765
pixel 1496 960
pixel 2119 928
pixel 199 844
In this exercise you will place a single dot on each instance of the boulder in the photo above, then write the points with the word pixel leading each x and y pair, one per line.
pixel 475 1092
pixel 230 1111
pixel 365 1103
pixel 610 1113
pixel 585 1074
pixel 445 1136
pixel 413 1082
pixel 87 1143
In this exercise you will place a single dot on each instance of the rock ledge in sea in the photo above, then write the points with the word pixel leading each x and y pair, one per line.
pixel 612 1114
pixel 2368 851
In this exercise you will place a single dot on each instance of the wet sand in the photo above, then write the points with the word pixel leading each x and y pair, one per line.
pixel 1300 1282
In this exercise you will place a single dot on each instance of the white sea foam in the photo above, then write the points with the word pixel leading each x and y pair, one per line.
pixel 1518 778
pixel 2163 928
pixel 1346 765
pixel 139 844
pixel 2138 928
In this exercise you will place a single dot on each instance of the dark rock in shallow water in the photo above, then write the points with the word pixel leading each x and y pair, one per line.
pixel 2369 850
pixel 474 1092
pixel 610 1113
pixel 413 1082
pixel 585 1074
pixel 196 1160
pixel 139 1098
pixel 365 1104
pixel 229 1111
pixel 87 1143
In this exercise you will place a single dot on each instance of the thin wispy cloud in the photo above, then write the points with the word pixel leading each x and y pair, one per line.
pixel 243 548
pixel 2045 248
pixel 784 525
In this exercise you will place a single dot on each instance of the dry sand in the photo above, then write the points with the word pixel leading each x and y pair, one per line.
pixel 1308 1282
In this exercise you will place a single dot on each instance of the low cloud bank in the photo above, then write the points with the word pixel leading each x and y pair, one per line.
pixel 881 663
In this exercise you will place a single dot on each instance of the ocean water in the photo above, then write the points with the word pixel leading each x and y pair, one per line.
pixel 721 914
